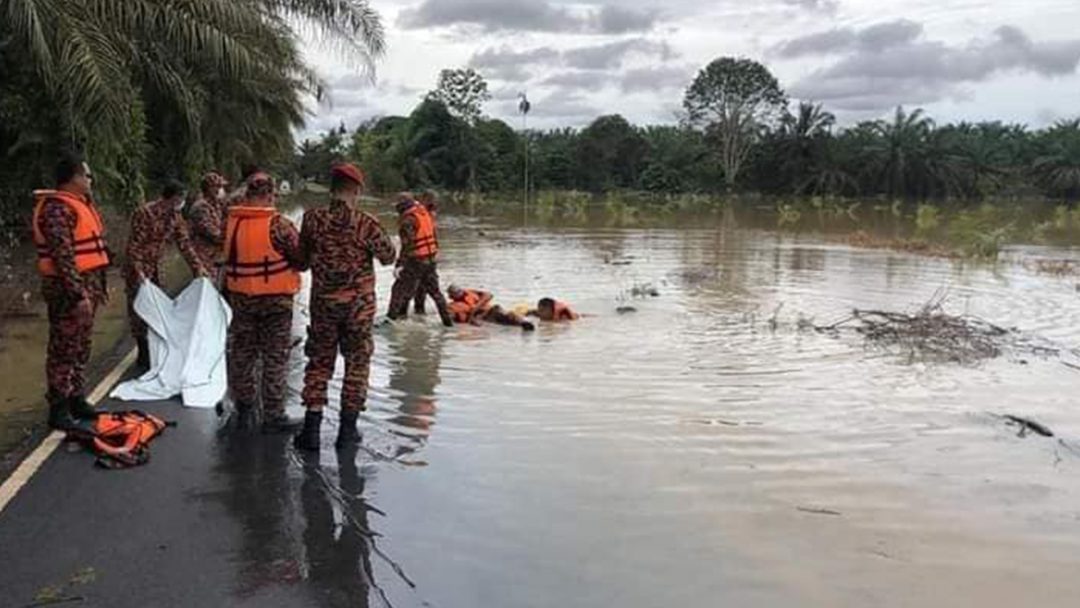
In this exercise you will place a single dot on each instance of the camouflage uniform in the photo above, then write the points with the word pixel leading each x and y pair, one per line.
pixel 340 243
pixel 152 226
pixel 70 330
pixel 418 277
pixel 262 327
pixel 206 223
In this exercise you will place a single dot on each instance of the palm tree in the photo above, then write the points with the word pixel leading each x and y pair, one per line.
pixel 901 143
pixel 228 71
pixel 1058 166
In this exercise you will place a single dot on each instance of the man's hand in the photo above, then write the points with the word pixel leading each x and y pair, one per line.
pixel 85 307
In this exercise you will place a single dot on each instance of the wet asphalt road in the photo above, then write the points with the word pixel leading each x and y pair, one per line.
pixel 217 518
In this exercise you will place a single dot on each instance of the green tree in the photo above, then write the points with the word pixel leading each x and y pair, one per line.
pixel 610 154
pixel 733 100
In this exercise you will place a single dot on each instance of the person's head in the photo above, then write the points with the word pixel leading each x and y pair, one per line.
pixel 73 174
pixel 346 182
pixel 545 309
pixel 428 200
pixel 173 192
pixel 248 170
pixel 213 185
pixel 454 292
pixel 260 188
pixel 403 201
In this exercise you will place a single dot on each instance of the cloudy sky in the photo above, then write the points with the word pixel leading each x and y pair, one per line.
pixel 960 59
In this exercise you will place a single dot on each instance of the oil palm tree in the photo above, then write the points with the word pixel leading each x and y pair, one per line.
pixel 900 144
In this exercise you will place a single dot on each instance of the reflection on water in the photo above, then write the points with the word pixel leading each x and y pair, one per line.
pixel 687 454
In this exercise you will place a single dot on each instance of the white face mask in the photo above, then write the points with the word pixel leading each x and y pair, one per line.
pixel 221 192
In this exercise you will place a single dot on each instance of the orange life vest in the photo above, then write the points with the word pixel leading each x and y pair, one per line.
pixel 462 309
pixel 426 242
pixel 563 312
pixel 89 243
pixel 253 267
pixel 122 439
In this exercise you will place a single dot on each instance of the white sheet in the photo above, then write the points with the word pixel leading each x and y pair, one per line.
pixel 187 346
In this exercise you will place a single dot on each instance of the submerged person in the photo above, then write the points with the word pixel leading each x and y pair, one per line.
pixel 340 243
pixel 473 306
pixel 262 264
pixel 153 226
pixel 550 309
pixel 416 270
pixel 428 201
pixel 206 220
pixel 72 258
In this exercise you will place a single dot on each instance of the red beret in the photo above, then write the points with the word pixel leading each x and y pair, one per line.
pixel 348 171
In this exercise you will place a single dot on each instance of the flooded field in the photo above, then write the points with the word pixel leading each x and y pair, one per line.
pixel 694 452
pixel 695 449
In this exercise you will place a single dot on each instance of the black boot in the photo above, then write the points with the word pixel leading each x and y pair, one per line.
pixel 527 326
pixel 60 417
pixel 80 408
pixel 347 434
pixel 279 422
pixel 308 437
pixel 143 360
pixel 245 416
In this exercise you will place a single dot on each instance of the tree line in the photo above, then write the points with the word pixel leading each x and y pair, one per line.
pixel 739 133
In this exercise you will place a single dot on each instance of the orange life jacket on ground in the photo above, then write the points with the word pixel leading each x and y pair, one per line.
pixel 122 439
pixel 253 267
pixel 462 309
pixel 426 242
pixel 563 312
pixel 90 251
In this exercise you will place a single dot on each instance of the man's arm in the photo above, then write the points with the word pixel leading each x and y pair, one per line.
pixel 57 224
pixel 182 238
pixel 378 241
pixel 286 241
pixel 206 223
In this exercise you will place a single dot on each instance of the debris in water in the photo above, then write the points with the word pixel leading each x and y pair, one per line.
pixel 1027 424
pixel 932 334
pixel 622 310
pixel 645 289
pixel 818 511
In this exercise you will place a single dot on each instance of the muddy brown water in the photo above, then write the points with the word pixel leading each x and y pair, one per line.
pixel 686 454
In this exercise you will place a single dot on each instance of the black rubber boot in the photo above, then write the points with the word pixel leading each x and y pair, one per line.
pixel 143 360
pixel 245 416
pixel 279 422
pixel 347 434
pixel 60 415
pixel 80 408
pixel 308 437
pixel 528 326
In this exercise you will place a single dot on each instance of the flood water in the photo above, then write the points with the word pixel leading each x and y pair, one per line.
pixel 688 453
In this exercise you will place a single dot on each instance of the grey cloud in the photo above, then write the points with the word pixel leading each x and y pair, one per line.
pixel 586 81
pixel 919 71
pixel 525 15
pixel 616 20
pixel 655 78
pixel 564 106
pixel 490 15
pixel 874 38
pixel 507 64
pixel 612 54
pixel 827 6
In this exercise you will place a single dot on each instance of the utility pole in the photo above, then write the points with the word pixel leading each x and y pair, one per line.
pixel 524 106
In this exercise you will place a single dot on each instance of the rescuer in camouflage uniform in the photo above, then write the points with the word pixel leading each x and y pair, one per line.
pixel 416 270
pixel 72 258
pixel 340 242
pixel 153 225
pixel 260 285
pixel 206 221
